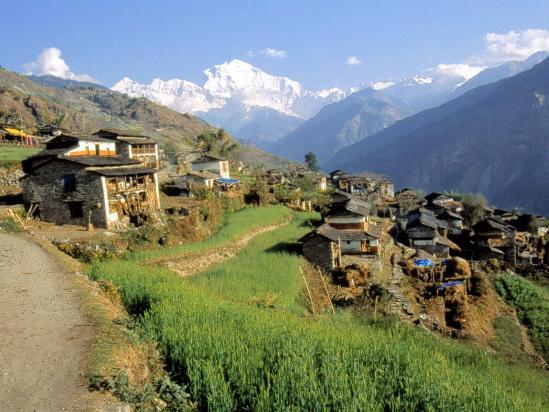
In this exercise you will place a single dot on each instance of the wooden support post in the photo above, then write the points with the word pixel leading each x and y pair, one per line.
pixel 308 291
pixel 326 290
pixel 14 216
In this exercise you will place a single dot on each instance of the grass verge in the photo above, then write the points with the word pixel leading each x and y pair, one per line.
pixel 532 305
pixel 9 154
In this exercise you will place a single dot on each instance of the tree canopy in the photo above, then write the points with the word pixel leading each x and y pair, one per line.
pixel 312 162
pixel 216 142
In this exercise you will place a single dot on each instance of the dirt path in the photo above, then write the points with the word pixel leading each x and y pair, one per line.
pixel 196 262
pixel 44 337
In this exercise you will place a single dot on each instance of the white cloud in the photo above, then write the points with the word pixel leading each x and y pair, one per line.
pixel 513 45
pixel 273 53
pixel 50 62
pixel 464 70
pixel 268 52
pixel 382 85
pixel 353 61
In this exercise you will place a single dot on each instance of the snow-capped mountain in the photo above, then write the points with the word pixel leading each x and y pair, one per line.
pixel 232 94
pixel 429 88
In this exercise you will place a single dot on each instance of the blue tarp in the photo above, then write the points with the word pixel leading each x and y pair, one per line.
pixel 423 263
pixel 450 284
pixel 227 180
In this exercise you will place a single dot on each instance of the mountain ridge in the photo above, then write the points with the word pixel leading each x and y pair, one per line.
pixel 489 140
pixel 339 124
pixel 237 83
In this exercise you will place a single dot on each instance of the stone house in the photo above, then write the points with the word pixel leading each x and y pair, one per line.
pixel 196 180
pixel 325 245
pixel 454 221
pixel 357 184
pixel 425 232
pixel 81 179
pixel 336 175
pixel 493 238
pixel 350 214
pixel 133 145
pixel 438 202
pixel 386 188
pixel 186 157
pixel 211 163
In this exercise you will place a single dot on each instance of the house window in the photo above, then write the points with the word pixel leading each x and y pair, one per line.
pixel 97 150
pixel 76 210
pixel 69 183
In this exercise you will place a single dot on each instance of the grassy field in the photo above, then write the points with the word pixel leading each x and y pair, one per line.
pixel 532 305
pixel 237 224
pixel 265 273
pixel 237 355
pixel 12 153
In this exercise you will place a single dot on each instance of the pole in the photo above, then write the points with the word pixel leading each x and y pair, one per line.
pixel 326 290
pixel 308 291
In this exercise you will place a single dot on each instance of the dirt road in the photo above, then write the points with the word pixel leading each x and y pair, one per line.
pixel 44 337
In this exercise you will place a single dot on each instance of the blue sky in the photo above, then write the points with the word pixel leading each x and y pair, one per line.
pixel 311 41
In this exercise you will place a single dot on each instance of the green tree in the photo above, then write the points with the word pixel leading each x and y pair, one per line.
pixel 311 161
pixel 474 208
pixel 219 142
pixel 207 141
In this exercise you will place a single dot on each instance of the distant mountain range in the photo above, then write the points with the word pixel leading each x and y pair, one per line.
pixel 492 139
pixel 248 102
pixel 262 109
pixel 493 74
pixel 85 107
pixel 429 88
pixel 340 124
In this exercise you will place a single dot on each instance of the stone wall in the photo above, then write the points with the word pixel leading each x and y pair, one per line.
pixel 10 176
pixel 46 187
pixel 319 251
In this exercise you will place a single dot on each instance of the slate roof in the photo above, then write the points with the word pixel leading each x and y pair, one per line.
pixel 374 231
pixel 435 196
pixel 204 175
pixel 128 136
pixel 442 240
pixel 124 171
pixel 332 233
pixel 181 181
pixel 491 224
pixel 448 214
pixel 100 160
pixel 137 140
pixel 34 162
pixel 424 217
pixel 358 206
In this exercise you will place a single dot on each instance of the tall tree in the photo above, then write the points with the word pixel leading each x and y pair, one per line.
pixel 474 208
pixel 312 162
